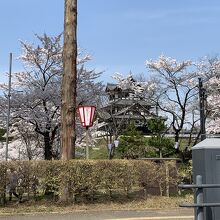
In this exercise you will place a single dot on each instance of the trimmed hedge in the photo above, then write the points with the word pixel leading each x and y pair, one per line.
pixel 88 177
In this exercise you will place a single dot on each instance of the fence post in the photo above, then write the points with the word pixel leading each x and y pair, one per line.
pixel 199 199
pixel 167 179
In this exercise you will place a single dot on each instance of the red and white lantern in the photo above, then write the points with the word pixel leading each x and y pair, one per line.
pixel 86 115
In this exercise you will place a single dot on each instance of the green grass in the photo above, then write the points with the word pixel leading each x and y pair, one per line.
pixel 100 149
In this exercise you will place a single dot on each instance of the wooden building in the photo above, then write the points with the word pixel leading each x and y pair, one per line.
pixel 123 107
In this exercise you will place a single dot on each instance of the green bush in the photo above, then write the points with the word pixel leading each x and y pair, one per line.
pixel 163 145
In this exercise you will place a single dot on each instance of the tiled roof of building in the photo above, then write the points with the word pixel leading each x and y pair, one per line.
pixel 129 102
pixel 111 87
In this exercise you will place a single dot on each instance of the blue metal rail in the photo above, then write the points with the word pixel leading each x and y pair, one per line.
pixel 199 205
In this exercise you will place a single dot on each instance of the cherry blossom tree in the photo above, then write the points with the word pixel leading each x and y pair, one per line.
pixel 210 72
pixel 176 89
pixel 172 88
pixel 27 143
pixel 36 92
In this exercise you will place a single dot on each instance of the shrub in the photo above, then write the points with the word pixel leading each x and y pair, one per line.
pixel 87 177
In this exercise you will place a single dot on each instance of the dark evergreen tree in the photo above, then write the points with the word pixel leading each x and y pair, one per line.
pixel 132 143
pixel 163 147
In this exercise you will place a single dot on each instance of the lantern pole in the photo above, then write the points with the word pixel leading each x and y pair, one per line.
pixel 9 107
pixel 86 114
pixel 87 142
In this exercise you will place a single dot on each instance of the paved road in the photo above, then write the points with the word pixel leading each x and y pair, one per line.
pixel 151 214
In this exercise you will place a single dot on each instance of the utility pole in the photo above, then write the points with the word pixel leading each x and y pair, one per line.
pixel 69 81
pixel 9 106
pixel 68 88
pixel 202 98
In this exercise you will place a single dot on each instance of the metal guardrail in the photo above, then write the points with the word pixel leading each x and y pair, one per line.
pixel 199 205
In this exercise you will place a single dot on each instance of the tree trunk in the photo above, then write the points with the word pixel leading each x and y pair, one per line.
pixel 47 147
pixel 68 106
